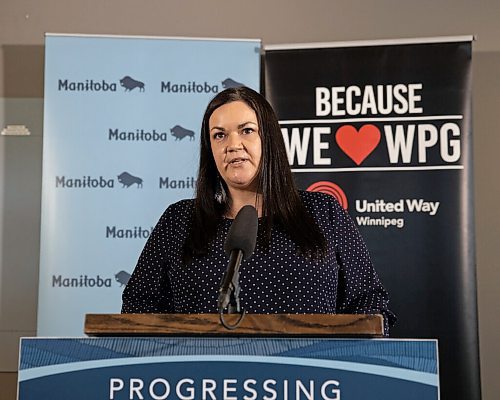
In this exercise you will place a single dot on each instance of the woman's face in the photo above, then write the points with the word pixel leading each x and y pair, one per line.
pixel 236 145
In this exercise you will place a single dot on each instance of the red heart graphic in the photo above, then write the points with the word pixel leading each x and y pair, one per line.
pixel 358 144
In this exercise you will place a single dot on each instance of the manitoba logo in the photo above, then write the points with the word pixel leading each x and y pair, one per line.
pixel 229 83
pixel 128 180
pixel 99 85
pixel 130 84
pixel 96 182
pixel 122 278
pixel 332 189
pixel 179 133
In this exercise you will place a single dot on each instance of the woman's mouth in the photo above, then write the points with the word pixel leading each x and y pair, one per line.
pixel 237 161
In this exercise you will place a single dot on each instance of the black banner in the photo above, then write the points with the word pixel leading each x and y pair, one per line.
pixel 386 129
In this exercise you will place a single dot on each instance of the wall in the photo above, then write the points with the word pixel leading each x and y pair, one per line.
pixel 22 26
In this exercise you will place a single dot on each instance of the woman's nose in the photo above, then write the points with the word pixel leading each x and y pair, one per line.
pixel 234 142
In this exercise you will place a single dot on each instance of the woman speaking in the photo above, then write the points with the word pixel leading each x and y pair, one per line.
pixel 309 256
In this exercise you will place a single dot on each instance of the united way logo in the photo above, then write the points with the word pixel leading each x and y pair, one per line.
pixel 130 84
pixel 332 189
pixel 128 180
pixel 179 133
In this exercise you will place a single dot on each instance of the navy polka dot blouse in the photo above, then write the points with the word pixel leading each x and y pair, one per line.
pixel 274 280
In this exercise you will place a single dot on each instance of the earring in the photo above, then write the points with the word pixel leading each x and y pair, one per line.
pixel 220 193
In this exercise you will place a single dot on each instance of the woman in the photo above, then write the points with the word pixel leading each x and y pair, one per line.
pixel 309 256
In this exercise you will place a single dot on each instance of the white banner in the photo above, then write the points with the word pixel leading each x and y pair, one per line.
pixel 121 137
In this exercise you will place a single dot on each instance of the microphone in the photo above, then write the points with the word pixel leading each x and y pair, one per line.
pixel 239 246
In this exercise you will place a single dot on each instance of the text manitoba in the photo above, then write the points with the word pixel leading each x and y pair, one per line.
pixel 139 135
pixel 84 182
pixel 168 183
pixel 88 85
pixel 188 87
pixel 81 281
pixel 137 232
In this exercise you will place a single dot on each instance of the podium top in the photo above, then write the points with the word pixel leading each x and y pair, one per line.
pixel 265 325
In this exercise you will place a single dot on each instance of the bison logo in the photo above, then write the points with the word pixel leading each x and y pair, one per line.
pixel 128 180
pixel 229 83
pixel 130 84
pixel 122 278
pixel 180 133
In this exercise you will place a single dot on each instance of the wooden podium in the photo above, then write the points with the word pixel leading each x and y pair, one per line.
pixel 353 325
pixel 192 356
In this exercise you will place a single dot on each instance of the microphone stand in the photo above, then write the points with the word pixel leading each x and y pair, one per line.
pixel 229 294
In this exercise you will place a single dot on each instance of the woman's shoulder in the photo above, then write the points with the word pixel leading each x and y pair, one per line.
pixel 318 201
pixel 324 207
pixel 181 205
pixel 180 210
pixel 175 219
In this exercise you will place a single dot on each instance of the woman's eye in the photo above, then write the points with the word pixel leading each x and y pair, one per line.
pixel 247 131
pixel 218 135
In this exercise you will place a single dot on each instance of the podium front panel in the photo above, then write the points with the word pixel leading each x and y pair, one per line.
pixel 227 368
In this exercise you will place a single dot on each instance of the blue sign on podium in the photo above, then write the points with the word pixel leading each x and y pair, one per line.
pixel 228 368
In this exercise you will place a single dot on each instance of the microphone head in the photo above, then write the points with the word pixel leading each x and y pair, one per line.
pixel 243 232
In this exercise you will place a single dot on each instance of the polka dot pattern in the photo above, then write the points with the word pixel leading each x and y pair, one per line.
pixel 276 280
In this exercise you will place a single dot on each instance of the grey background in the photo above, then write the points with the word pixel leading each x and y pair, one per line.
pixel 24 22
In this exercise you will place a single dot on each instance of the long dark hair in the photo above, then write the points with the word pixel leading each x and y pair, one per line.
pixel 281 203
